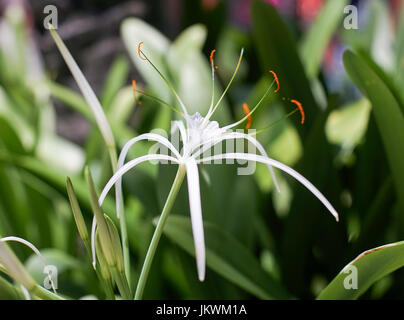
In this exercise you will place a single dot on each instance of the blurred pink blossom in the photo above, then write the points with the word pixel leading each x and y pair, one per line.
pixel 307 10
pixel 275 3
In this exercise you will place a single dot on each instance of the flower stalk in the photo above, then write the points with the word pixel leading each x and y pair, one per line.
pixel 175 188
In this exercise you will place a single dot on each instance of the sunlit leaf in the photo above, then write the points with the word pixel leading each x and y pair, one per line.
pixel 318 37
pixel 370 266
pixel 388 114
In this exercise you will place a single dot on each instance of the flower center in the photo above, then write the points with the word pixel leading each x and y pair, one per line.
pixel 199 131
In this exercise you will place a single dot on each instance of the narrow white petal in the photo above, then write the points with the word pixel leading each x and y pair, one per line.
pixel 35 250
pixel 194 196
pixel 25 292
pixel 239 135
pixel 28 244
pixel 281 166
pixel 118 175
pixel 122 156
pixel 128 166
pixel 93 230
pixel 181 127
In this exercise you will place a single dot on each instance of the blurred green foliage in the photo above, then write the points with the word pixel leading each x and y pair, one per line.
pixel 259 243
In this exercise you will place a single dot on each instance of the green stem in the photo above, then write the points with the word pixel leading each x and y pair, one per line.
pixel 121 283
pixel 159 230
pixel 9 291
pixel 44 294
pixel 122 220
pixel 106 285
pixel 125 245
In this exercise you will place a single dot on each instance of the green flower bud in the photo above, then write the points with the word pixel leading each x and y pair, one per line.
pixel 77 214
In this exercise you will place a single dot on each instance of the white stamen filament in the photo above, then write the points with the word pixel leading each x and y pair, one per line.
pixel 235 124
pixel 209 114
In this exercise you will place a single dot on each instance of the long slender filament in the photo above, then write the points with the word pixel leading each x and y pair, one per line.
pixel 143 56
pixel 212 66
pixel 252 111
pixel 273 123
pixel 161 101
pixel 209 115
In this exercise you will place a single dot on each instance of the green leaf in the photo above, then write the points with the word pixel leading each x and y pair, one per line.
pixel 71 98
pixel 116 79
pixel 388 114
pixel 61 260
pixel 77 214
pixel 21 126
pixel 400 43
pixel 189 70
pixel 60 153
pixel 400 53
pixel 371 266
pixel 317 38
pixel 9 138
pixel 277 51
pixel 192 72
pixel 347 125
pixel 155 45
pixel 86 90
pixel 377 217
pixel 102 224
pixel 8 291
pixel 226 256
pixel 121 108
pixel 55 179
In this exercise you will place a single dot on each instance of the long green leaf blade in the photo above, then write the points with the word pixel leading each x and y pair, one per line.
pixel 86 90
pixel 227 257
pixel 316 40
pixel 387 111
pixel 371 266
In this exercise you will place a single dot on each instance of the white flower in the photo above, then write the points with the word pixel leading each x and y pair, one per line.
pixel 199 134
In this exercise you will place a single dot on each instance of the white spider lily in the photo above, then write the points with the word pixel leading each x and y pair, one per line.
pixel 199 134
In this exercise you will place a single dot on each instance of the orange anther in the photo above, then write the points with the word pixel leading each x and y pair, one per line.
pixel 276 80
pixel 134 86
pixel 249 118
pixel 211 57
pixel 300 107
pixel 139 51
